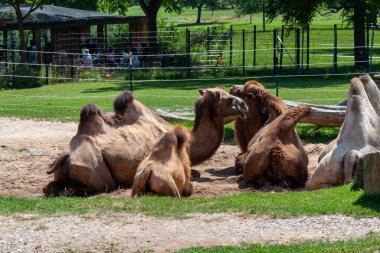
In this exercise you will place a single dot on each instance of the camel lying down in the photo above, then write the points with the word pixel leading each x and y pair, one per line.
pixel 358 136
pixel 276 155
pixel 166 171
pixel 82 170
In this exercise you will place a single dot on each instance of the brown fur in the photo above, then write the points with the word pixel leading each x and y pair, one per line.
pixel 166 171
pixel 82 170
pixel 263 109
pixel 276 154
pixel 120 148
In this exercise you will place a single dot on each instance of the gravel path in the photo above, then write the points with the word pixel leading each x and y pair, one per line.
pixel 128 232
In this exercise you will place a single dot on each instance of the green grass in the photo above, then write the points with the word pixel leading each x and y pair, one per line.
pixel 369 243
pixel 62 102
pixel 339 200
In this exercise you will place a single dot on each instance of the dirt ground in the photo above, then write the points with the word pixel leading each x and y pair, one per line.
pixel 27 147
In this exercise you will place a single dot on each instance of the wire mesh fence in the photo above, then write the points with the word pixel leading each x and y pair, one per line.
pixel 217 55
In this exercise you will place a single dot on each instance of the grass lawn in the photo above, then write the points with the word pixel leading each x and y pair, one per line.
pixel 63 102
pixel 339 200
pixel 370 243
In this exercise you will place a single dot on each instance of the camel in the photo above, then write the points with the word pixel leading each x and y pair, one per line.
pixel 82 170
pixel 276 155
pixel 166 171
pixel 358 136
pixel 135 131
pixel 263 109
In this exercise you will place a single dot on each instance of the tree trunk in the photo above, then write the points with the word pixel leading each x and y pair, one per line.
pixel 21 31
pixel 199 7
pixel 359 18
pixel 152 36
pixel 263 3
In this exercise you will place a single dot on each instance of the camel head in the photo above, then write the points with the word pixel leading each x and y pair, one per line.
pixel 92 120
pixel 221 103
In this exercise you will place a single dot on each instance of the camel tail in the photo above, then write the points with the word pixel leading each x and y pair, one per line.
pixel 290 118
pixel 140 182
pixel 58 162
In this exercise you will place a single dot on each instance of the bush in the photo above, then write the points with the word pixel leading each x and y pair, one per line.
pixel 22 77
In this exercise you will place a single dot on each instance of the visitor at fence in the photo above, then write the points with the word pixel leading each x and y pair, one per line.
pixel 31 54
pixel 135 60
pixel 124 60
pixel 86 57
pixel 111 58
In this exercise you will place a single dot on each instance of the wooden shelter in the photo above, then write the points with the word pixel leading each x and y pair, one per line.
pixel 69 28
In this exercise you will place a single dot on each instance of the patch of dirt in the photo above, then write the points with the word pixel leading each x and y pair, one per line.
pixel 28 147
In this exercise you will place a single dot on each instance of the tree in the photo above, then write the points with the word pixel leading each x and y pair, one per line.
pixel 77 4
pixel 199 4
pixel 245 7
pixel 33 5
pixel 119 7
pixel 357 12
pixel 150 8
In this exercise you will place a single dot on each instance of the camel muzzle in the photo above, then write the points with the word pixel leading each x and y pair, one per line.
pixel 241 106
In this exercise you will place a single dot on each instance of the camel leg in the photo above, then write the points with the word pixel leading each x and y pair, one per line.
pixel 187 186
pixel 349 161
pixel 255 166
pixel 91 181
pixel 288 167
pixel 140 181
pixel 239 162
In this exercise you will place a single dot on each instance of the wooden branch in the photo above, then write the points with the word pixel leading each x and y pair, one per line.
pixel 321 115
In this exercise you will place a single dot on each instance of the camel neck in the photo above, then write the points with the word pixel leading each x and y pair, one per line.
pixel 207 134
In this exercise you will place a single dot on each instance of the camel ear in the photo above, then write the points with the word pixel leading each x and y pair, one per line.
pixel 202 92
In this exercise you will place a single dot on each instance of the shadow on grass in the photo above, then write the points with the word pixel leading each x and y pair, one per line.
pixel 370 202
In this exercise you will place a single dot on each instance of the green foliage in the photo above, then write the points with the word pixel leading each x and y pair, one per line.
pixel 245 7
pixel 22 77
pixel 119 7
pixel 338 200
pixel 77 4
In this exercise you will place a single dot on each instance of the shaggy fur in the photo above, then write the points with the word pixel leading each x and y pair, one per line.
pixel 276 154
pixel 166 171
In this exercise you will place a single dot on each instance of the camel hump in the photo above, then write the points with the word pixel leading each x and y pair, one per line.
pixel 183 137
pixel 290 118
pixel 121 102
pixel 87 111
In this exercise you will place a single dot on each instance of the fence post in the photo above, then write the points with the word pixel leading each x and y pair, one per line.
pixel 367 37
pixel 307 47
pixel 231 35
pixel 298 48
pixel 254 44
pixel 208 45
pixel 13 60
pixel 371 49
pixel 72 69
pixel 130 71
pixel 302 45
pixel 44 58
pixel 188 51
pixel 5 45
pixel 243 51
pixel 282 46
pixel 275 58
pixel 335 56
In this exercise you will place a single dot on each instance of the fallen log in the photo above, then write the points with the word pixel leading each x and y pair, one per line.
pixel 321 115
